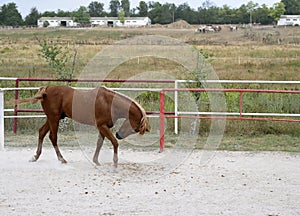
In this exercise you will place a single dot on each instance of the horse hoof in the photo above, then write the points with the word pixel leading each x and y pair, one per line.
pixel 97 163
pixel 33 159
pixel 63 161
pixel 115 165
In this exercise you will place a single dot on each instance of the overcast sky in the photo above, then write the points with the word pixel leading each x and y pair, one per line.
pixel 24 6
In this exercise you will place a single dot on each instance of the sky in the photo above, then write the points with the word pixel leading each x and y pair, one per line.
pixel 24 6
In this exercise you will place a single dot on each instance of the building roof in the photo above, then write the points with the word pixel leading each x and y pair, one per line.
pixel 92 18
pixel 290 16
pixel 55 18
pixel 117 18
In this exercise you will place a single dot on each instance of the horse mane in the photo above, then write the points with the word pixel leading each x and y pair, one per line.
pixel 144 121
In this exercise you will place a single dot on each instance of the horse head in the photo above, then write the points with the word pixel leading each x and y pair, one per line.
pixel 132 126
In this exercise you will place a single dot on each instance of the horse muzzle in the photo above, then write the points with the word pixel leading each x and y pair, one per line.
pixel 118 136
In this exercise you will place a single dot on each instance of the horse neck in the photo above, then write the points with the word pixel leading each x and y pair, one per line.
pixel 122 102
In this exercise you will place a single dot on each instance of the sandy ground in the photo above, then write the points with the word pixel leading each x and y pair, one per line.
pixel 230 183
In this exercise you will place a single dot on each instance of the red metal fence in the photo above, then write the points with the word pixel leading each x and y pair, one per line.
pixel 164 115
pixel 162 112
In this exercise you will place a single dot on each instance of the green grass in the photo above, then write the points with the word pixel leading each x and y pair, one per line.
pixel 269 142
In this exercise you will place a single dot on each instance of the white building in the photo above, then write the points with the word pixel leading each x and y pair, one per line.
pixel 56 22
pixel 115 22
pixel 95 21
pixel 291 20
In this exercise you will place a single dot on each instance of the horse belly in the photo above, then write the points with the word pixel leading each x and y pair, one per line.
pixel 84 116
pixel 83 111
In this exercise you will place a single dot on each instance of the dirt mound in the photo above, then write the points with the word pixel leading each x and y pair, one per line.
pixel 181 24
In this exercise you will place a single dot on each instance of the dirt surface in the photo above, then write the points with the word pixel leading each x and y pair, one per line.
pixel 230 183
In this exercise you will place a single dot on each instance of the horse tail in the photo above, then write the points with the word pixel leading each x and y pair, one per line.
pixel 38 96
pixel 27 100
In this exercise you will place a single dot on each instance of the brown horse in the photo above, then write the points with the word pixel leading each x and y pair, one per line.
pixel 99 107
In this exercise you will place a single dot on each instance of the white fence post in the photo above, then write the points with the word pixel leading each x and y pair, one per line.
pixel 176 108
pixel 1 120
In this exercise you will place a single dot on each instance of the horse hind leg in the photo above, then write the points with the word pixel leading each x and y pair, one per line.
pixel 42 133
pixel 53 137
pixel 98 148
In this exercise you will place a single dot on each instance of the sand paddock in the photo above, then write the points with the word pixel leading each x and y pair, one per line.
pixel 231 183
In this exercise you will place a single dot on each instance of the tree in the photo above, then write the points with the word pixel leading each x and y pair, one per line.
pixel 96 9
pixel 82 16
pixel 250 8
pixel 292 7
pixel 185 12
pixel 61 13
pixel 32 17
pixel 143 9
pixel 122 16
pixel 261 15
pixel 155 11
pixel 9 15
pixel 166 13
pixel 277 10
pixel 227 14
pixel 242 14
pixel 114 7
pixel 49 14
pixel 125 6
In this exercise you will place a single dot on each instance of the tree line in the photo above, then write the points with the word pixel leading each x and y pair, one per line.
pixel 206 13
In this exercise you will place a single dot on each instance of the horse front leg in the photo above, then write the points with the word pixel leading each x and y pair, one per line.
pixel 42 133
pixel 107 133
pixel 98 148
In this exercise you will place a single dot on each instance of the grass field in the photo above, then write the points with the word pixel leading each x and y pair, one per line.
pixel 259 53
pixel 234 55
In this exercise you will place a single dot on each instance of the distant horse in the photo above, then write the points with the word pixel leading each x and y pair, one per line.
pixel 99 107
pixel 217 28
pixel 208 28
pixel 233 28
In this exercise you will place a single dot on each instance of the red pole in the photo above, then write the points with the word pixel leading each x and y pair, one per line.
pixel 162 121
pixel 16 106
pixel 241 103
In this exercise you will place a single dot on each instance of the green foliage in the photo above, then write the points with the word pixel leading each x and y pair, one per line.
pixel 57 57
pixel 82 16
pixel 277 10
pixel 96 9
pixel 32 18
pixel 125 6
pixel 122 16
pixel 46 24
pixel 143 9
pixel 292 7
pixel 206 13
pixel 10 16
pixel 114 6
